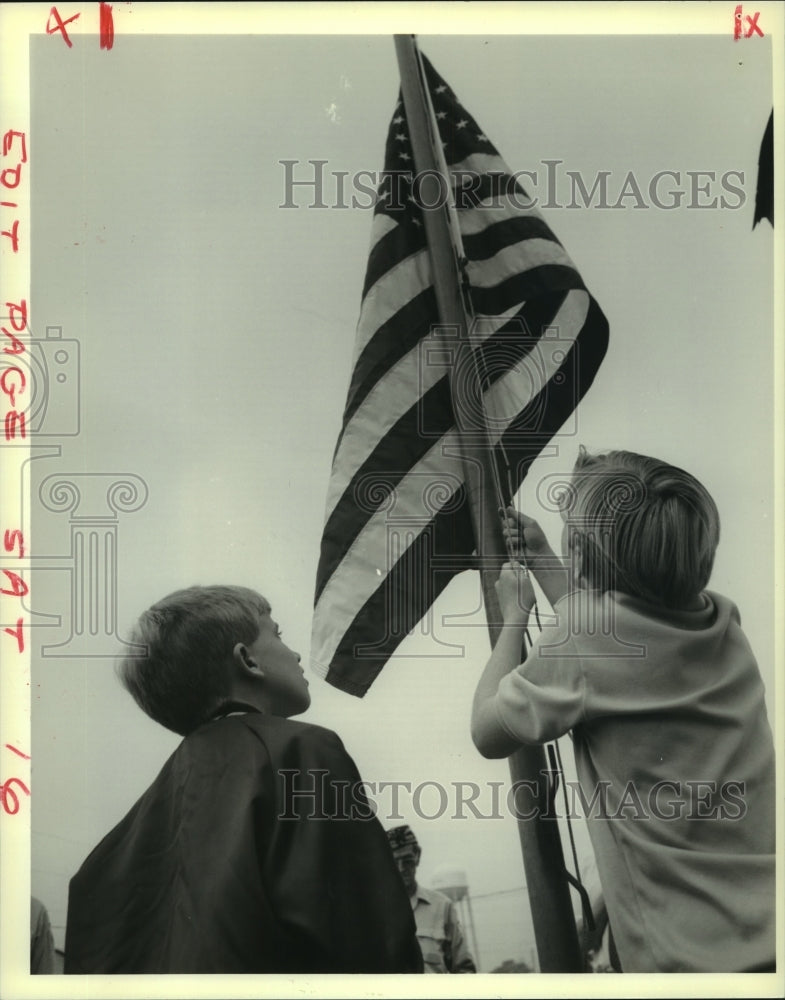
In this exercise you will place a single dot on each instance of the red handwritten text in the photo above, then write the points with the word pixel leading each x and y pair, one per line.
pixel 107 26
pixel 55 23
pixel 752 21
pixel 8 796
pixel 16 346
pixel 59 25
pixel 18 587
pixel 12 380
pixel 14 539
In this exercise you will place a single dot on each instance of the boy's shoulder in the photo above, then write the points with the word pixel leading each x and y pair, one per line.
pixel 229 759
pixel 290 730
pixel 279 736
pixel 584 607
pixel 593 626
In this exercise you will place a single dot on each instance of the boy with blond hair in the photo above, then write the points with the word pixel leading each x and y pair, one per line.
pixel 656 680
pixel 240 858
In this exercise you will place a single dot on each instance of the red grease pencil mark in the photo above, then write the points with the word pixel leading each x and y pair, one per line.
pixel 8 797
pixel 55 23
pixel 59 25
pixel 18 586
pixel 17 634
pixel 754 27
pixel 106 26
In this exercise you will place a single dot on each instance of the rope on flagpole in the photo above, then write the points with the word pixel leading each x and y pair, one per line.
pixel 482 381
pixel 547 876
pixel 461 262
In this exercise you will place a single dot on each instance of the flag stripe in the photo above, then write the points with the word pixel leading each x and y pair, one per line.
pixel 395 446
pixel 498 286
pixel 386 298
pixel 485 243
pixel 393 248
pixel 404 596
pixel 382 401
pixel 393 340
pixel 386 402
pixel 542 419
pixel 396 453
pixel 500 209
pixel 538 281
pixel 382 225
pixel 520 260
pixel 357 575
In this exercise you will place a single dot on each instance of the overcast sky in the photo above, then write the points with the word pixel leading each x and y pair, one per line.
pixel 215 332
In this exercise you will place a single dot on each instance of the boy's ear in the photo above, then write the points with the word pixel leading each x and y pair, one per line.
pixel 242 658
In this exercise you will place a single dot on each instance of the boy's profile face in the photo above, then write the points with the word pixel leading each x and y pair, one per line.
pixel 284 679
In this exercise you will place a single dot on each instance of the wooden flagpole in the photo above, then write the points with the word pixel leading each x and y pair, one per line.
pixel 549 894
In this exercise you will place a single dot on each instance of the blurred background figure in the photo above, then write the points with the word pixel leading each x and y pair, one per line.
pixel 42 945
pixel 439 931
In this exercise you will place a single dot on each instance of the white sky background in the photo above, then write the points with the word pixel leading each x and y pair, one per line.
pixel 216 333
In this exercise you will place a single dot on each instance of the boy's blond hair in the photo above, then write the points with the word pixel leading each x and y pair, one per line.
pixel 183 679
pixel 645 528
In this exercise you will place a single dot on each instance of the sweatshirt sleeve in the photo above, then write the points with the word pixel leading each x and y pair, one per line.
pixel 544 697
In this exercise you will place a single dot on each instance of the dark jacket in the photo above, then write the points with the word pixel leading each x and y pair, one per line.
pixel 222 867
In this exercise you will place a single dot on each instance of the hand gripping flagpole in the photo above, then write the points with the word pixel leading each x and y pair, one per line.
pixel 549 895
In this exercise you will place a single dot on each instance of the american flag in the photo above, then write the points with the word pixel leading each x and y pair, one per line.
pixel 397 525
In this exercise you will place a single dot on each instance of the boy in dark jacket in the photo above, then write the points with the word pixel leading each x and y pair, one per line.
pixel 242 857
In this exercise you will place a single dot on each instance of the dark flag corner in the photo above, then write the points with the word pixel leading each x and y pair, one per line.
pixel 764 193
pixel 398 526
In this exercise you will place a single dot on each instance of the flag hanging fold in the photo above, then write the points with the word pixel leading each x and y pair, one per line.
pixel 397 525
pixel 764 191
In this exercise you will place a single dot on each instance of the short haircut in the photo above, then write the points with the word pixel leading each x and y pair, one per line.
pixel 183 677
pixel 647 528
